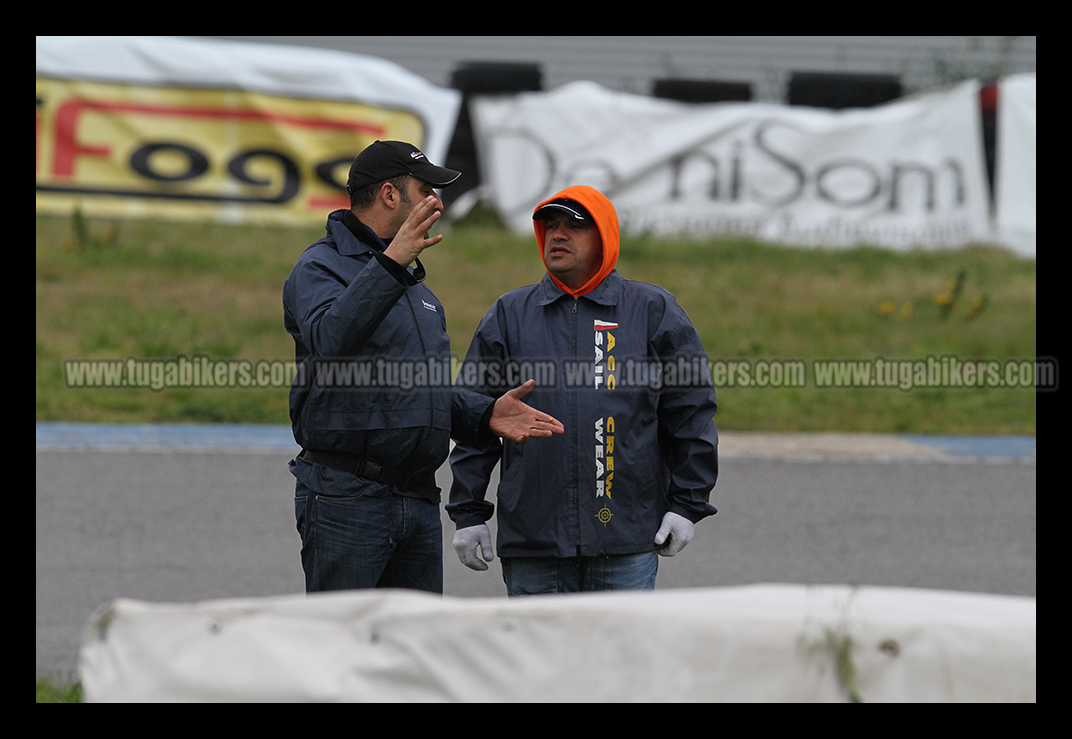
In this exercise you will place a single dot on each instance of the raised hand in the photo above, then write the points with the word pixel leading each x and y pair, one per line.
pixel 412 238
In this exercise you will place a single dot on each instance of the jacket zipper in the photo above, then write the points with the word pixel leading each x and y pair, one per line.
pixel 576 440
pixel 424 354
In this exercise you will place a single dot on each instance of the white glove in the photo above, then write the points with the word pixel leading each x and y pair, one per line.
pixel 675 533
pixel 473 545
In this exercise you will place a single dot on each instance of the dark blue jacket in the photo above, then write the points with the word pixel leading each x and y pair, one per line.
pixel 625 372
pixel 373 360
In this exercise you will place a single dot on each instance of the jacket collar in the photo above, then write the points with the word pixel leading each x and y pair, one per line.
pixel 353 237
pixel 606 292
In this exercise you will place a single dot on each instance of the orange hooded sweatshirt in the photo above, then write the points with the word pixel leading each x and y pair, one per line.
pixel 606 218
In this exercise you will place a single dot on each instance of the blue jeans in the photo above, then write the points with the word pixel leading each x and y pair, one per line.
pixel 369 541
pixel 543 575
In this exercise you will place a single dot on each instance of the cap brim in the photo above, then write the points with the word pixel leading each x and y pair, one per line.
pixel 577 215
pixel 437 176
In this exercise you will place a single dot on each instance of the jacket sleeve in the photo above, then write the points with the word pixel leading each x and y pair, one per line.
pixel 336 319
pixel 686 416
pixel 470 416
pixel 473 460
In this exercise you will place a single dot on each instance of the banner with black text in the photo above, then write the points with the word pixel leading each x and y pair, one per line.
pixel 909 173
pixel 176 128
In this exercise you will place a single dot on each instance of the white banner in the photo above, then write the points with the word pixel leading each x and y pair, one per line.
pixel 909 173
pixel 758 643
pixel 1014 181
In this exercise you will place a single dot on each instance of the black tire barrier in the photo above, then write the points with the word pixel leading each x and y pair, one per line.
pixel 702 91
pixel 497 77
pixel 481 78
pixel 841 90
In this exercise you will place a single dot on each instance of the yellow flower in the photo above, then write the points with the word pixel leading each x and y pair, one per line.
pixel 886 307
pixel 976 307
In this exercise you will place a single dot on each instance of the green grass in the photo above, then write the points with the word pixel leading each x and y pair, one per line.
pixel 150 290
pixel 57 689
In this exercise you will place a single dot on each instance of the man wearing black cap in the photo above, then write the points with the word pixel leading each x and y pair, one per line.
pixel 372 404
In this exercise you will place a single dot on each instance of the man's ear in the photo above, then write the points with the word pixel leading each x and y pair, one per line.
pixel 388 194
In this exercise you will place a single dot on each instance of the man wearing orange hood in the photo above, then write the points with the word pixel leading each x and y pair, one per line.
pixel 623 369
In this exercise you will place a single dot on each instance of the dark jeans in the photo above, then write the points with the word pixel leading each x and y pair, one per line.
pixel 369 541
pixel 542 575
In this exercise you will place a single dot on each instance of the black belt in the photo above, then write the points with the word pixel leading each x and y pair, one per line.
pixel 366 468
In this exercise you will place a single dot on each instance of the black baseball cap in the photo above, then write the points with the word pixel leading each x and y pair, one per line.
pixel 385 160
pixel 568 206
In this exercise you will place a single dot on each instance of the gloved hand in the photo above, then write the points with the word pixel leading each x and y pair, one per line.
pixel 473 545
pixel 675 532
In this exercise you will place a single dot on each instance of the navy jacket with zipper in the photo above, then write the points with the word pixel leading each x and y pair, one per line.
pixel 371 349
pixel 625 372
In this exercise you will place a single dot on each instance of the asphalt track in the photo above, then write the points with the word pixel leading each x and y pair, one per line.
pixel 187 513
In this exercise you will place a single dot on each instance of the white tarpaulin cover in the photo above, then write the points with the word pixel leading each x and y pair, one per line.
pixel 747 644
pixel 292 71
pixel 909 173
pixel 1014 177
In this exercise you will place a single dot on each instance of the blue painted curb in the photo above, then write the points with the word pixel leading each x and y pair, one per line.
pixel 178 435
pixel 267 436
pixel 1022 447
